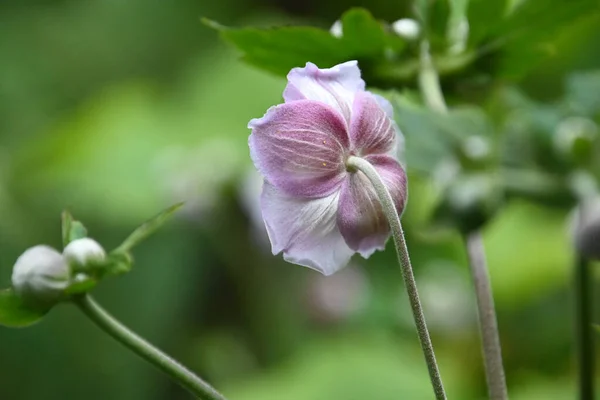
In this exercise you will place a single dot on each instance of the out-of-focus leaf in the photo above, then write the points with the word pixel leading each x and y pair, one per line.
pixel 147 229
pixel 14 313
pixel 378 373
pixel 432 137
pixel 583 93
pixel 530 29
pixel 280 49
pixel 363 35
pixel 484 16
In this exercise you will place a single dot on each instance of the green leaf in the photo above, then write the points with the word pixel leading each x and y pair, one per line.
pixel 67 220
pixel 16 314
pixel 147 229
pixel 529 32
pixel 484 17
pixel 280 49
pixel 71 228
pixel 583 93
pixel 433 137
pixel 81 286
pixel 363 36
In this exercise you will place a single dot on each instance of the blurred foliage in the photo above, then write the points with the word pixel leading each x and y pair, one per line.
pixel 117 110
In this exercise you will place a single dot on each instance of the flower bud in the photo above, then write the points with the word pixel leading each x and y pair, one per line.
pixel 83 252
pixel 407 28
pixel 336 29
pixel 585 228
pixel 470 201
pixel 40 275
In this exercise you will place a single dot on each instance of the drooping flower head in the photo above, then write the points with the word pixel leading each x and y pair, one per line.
pixel 317 211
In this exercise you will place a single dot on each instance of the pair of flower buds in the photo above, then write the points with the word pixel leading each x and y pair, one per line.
pixel 42 274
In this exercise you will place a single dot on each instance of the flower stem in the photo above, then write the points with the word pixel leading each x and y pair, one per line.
pixel 585 339
pixel 393 218
pixel 142 348
pixel 488 325
pixel 429 83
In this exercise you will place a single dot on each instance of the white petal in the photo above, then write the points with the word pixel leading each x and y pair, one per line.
pixel 305 230
pixel 334 86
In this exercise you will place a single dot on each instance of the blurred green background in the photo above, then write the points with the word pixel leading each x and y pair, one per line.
pixel 118 109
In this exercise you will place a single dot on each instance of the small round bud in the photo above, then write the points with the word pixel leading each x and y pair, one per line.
pixel 83 252
pixel 407 28
pixel 470 201
pixel 336 29
pixel 40 275
pixel 585 228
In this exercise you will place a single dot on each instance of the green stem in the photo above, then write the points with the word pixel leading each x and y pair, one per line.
pixel 488 325
pixel 389 209
pixel 142 348
pixel 429 81
pixel 585 338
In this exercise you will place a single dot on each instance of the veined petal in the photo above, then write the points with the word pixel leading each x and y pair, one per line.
pixel 305 230
pixel 299 147
pixel 333 86
pixel 360 215
pixel 372 130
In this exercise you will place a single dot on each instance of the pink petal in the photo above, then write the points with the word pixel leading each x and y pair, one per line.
pixel 372 131
pixel 299 147
pixel 333 86
pixel 360 216
pixel 305 230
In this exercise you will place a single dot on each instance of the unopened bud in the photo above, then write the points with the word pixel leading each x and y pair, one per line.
pixel 84 252
pixel 40 275
pixel 585 228
pixel 470 201
pixel 336 29
pixel 407 28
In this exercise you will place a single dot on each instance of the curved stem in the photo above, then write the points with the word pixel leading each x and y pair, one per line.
pixel 492 352
pixel 142 348
pixel 393 218
pixel 585 339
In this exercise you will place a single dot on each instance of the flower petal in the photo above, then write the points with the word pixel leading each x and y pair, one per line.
pixel 299 147
pixel 372 131
pixel 360 216
pixel 305 230
pixel 333 86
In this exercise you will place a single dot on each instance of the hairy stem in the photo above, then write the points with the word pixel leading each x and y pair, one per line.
pixel 492 353
pixel 142 348
pixel 585 338
pixel 393 218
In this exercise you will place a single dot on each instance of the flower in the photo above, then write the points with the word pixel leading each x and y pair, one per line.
pixel 83 252
pixel 40 275
pixel 317 211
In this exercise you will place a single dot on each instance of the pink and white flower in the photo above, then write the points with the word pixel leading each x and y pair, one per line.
pixel 317 211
